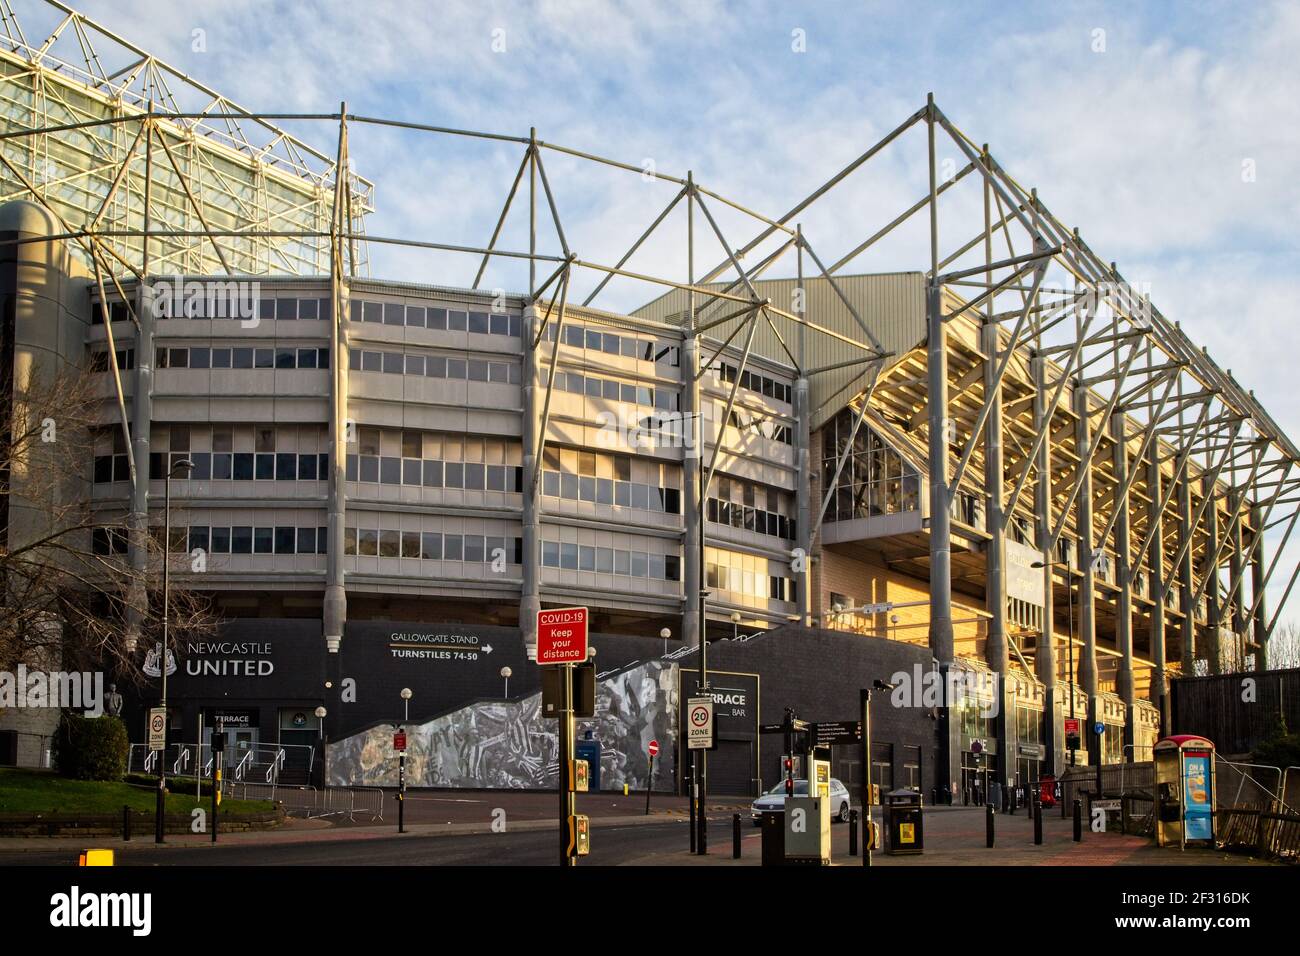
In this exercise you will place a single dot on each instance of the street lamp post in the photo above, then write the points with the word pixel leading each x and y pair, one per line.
pixel 185 465
pixel 735 625
pixel 665 634
pixel 320 735
pixel 505 674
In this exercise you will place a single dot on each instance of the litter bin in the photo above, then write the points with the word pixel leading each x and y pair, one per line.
pixel 773 831
pixel 903 829
pixel 1047 791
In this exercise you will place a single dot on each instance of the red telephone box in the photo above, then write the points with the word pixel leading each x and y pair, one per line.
pixel 1047 790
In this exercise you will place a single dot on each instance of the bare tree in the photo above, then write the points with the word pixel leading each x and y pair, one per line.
pixel 1284 646
pixel 64 577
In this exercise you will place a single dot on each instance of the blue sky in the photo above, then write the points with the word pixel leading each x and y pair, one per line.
pixel 1133 120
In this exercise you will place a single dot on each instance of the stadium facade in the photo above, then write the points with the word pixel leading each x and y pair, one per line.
pixel 1004 466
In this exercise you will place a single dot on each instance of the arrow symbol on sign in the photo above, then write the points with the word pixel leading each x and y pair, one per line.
pixel 487 648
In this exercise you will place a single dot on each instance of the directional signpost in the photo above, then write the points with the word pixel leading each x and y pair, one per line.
pixel 837 732
pixel 562 642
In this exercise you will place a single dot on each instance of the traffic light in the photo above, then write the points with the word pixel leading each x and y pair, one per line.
pixel 789 777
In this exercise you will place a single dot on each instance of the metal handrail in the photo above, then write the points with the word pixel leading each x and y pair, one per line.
pixel 274 769
pixel 1276 795
pixel 242 766
pixel 1282 793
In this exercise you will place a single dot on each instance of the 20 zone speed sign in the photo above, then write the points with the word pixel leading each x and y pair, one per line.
pixel 699 723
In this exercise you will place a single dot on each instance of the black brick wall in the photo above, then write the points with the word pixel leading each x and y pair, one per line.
pixel 819 674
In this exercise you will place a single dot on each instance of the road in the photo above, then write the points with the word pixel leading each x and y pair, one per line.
pixel 612 843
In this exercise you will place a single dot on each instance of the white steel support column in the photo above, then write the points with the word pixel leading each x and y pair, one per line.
pixel 1210 570
pixel 1258 575
pixel 1188 655
pixel 334 611
pixel 1045 665
pixel 141 424
pixel 1124 575
pixel 1087 656
pixel 1156 568
pixel 803 499
pixel 1236 562
pixel 692 503
pixel 942 641
pixel 530 595
pixel 995 649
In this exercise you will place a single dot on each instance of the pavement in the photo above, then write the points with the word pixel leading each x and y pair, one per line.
pixel 503 828
pixel 957 836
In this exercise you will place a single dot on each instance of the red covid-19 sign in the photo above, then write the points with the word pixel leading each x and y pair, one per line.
pixel 562 635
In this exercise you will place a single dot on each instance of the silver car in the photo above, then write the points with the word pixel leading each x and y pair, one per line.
pixel 774 800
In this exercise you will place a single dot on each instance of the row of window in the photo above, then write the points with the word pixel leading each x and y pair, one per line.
pixel 767 427
pixel 99 360
pixel 762 384
pixel 594 386
pixel 720 577
pixel 221 466
pixel 195 356
pixel 218 305
pixel 433 366
pixel 876 479
pixel 236 539
pixel 430 317
pixel 635 564
pixel 469 475
pixel 610 343
pixel 750 518
pixel 243 539
pixel 610 491
pixel 409 443
pixel 432 546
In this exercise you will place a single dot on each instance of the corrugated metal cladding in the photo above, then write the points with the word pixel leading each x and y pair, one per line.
pixel 892 307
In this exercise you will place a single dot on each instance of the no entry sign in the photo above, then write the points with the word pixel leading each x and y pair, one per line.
pixel 562 635
pixel 654 748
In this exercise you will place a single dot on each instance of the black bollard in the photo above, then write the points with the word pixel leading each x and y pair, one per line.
pixel 988 825
pixel 853 833
pixel 1078 820
pixel 735 836
pixel 1038 823
pixel 126 823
